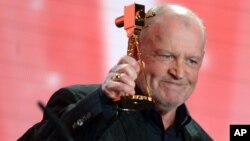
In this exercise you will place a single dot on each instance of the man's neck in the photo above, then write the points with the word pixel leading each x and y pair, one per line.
pixel 168 118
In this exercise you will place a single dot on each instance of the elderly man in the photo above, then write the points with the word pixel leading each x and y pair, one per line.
pixel 172 46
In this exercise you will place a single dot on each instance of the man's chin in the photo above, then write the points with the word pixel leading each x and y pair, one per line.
pixel 166 106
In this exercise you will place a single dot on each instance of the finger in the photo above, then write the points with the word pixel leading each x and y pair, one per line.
pixel 126 79
pixel 131 61
pixel 115 89
pixel 126 69
pixel 122 80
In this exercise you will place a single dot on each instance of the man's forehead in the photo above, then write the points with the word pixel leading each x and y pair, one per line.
pixel 169 15
pixel 170 8
pixel 165 15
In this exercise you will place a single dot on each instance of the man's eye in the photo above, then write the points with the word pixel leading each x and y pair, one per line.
pixel 166 56
pixel 193 62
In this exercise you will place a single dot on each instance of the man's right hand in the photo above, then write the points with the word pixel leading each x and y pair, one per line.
pixel 121 78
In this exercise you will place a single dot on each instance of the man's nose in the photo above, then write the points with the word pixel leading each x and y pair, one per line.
pixel 177 70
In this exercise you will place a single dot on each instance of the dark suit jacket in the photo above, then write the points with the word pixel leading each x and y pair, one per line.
pixel 80 109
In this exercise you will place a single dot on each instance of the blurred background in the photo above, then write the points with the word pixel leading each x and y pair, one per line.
pixel 49 44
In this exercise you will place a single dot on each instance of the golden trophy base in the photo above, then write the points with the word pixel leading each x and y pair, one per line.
pixel 135 103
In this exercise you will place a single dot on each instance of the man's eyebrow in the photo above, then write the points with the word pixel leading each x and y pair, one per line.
pixel 162 51
pixel 194 56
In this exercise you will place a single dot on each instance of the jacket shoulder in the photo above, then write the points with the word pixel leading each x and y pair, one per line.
pixel 73 92
pixel 194 132
pixel 82 89
pixel 70 95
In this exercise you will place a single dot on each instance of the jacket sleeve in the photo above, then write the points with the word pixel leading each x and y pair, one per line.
pixel 74 107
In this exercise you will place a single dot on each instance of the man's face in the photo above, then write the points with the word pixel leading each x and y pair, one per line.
pixel 172 53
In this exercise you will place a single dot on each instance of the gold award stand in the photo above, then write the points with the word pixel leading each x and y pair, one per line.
pixel 133 22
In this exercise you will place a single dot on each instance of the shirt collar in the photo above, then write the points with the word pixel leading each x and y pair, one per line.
pixel 182 117
pixel 182 114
